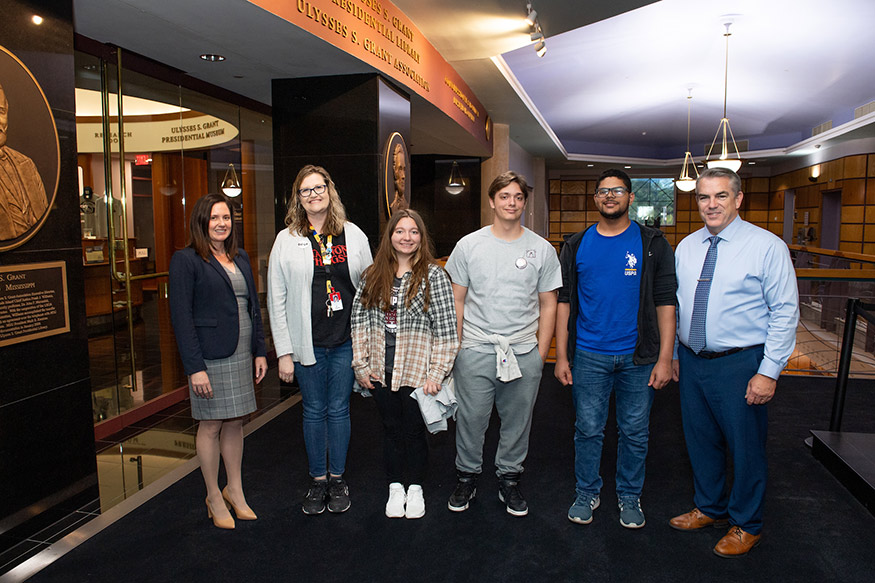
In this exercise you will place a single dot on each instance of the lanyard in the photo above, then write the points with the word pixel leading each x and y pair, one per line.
pixel 325 252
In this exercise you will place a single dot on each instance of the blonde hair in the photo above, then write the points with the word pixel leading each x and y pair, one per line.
pixel 296 217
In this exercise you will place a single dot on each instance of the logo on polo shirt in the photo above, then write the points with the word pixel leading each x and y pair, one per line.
pixel 631 262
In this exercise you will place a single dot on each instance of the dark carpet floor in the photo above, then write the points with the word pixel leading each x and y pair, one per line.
pixel 814 529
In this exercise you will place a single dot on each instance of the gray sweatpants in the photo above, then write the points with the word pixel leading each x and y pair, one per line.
pixel 476 391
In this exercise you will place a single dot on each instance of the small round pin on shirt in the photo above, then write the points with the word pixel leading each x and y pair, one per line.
pixel 521 263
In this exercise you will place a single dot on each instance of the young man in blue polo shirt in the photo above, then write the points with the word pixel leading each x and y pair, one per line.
pixel 615 330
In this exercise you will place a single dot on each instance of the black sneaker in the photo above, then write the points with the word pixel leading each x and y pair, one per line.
pixel 509 493
pixel 314 501
pixel 338 495
pixel 466 490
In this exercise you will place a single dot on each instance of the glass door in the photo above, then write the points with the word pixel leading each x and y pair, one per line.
pixel 144 159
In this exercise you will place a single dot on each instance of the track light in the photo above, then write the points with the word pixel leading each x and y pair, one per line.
pixel 541 49
pixel 532 15
pixel 536 34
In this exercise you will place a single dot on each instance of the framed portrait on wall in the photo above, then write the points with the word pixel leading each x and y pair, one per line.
pixel 396 166
pixel 30 157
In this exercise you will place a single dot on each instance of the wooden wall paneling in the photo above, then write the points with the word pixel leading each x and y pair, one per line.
pixel 853 192
pixel 854 166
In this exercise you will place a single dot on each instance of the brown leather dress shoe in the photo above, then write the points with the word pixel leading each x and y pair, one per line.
pixel 694 520
pixel 736 543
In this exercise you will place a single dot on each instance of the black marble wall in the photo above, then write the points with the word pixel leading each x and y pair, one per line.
pixel 448 217
pixel 46 432
pixel 340 123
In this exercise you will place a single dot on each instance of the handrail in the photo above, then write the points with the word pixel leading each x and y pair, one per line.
pixel 850 255
pixel 843 274
pixel 855 307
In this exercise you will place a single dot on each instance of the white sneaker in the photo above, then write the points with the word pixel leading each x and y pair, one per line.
pixel 397 498
pixel 415 502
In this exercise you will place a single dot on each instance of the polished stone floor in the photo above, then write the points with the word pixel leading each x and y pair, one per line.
pixel 127 462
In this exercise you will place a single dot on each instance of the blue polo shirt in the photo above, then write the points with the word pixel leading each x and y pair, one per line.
pixel 608 286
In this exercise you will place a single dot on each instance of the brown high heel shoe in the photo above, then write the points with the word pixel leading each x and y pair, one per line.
pixel 242 513
pixel 226 523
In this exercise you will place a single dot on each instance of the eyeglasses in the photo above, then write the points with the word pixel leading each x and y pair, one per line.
pixel 308 192
pixel 618 191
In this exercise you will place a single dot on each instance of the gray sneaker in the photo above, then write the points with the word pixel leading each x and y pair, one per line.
pixel 581 511
pixel 631 515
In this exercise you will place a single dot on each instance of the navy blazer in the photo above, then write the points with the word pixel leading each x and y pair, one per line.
pixel 203 309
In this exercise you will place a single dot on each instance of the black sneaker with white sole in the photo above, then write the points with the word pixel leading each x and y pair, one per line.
pixel 314 500
pixel 509 493
pixel 338 495
pixel 466 490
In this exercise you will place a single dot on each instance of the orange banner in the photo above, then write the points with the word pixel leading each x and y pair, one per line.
pixel 378 33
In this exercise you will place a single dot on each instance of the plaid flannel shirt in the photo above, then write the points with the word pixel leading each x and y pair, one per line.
pixel 426 343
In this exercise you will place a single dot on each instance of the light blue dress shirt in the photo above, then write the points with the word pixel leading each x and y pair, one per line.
pixel 754 298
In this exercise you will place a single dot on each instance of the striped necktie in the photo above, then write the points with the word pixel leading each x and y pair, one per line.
pixel 700 303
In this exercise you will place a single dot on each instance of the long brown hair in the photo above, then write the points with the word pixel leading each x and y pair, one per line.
pixel 296 217
pixel 378 278
pixel 199 226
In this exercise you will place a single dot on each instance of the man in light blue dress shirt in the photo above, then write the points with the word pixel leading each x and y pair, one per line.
pixel 751 314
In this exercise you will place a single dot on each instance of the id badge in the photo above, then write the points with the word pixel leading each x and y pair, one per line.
pixel 336 302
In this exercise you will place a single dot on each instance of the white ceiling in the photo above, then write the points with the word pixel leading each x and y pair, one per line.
pixel 612 86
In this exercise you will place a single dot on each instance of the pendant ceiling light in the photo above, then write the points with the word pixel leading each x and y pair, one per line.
pixel 456 184
pixel 686 183
pixel 725 159
pixel 230 184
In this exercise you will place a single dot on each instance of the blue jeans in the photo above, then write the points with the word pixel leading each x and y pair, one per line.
pixel 595 377
pixel 325 390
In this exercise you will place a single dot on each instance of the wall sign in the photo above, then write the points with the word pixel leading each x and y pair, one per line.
pixel 379 34
pixel 33 301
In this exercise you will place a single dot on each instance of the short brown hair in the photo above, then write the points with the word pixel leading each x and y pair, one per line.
pixel 506 178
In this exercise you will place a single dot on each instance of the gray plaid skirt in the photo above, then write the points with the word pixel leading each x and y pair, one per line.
pixel 231 378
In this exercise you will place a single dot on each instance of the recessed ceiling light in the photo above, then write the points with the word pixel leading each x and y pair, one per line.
pixel 36 19
pixel 751 163
pixel 627 167
pixel 590 165
pixel 213 58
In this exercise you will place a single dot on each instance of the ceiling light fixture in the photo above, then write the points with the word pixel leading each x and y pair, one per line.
pixel 541 49
pixel 724 160
pixel 212 57
pixel 456 183
pixel 230 184
pixel 531 14
pixel 687 183
pixel 536 34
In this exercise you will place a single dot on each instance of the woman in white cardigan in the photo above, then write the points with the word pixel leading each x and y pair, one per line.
pixel 314 270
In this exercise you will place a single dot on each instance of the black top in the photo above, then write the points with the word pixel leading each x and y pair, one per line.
pixel 392 325
pixel 332 331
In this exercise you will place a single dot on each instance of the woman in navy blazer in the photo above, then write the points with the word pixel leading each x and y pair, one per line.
pixel 217 322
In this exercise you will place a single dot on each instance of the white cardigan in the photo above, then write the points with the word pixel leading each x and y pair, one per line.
pixel 289 287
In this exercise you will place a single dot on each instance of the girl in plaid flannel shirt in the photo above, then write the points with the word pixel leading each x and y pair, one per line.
pixel 404 337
